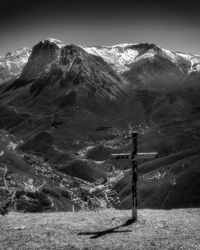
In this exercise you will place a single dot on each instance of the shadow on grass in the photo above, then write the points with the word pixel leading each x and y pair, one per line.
pixel 97 234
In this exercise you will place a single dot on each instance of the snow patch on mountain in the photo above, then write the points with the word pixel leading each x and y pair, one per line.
pixel 194 59
pixel 171 54
pixel 117 56
pixel 120 56
pixel 59 43
pixel 122 45
pixel 12 63
pixel 19 57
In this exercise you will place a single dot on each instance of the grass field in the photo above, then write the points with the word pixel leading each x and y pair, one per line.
pixel 155 229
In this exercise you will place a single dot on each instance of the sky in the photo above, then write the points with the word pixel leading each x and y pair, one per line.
pixel 171 24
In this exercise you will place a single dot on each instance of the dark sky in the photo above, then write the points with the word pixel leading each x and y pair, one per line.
pixel 171 24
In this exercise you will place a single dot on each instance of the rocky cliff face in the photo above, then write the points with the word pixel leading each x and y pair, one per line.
pixel 71 72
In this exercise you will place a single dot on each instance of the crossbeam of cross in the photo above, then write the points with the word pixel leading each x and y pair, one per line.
pixel 134 156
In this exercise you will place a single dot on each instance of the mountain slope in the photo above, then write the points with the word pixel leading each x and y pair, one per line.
pixel 147 65
pixel 123 55
pixel 12 63
pixel 36 186
pixel 58 88
pixel 169 182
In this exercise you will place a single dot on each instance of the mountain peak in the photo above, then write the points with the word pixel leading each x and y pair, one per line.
pixel 122 45
pixel 42 54
pixel 56 41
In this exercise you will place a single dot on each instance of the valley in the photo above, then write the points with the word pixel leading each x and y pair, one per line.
pixel 69 107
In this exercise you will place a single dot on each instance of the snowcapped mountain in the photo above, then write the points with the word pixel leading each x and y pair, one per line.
pixel 103 76
pixel 12 63
pixel 148 65
pixel 104 80
pixel 68 67
pixel 120 57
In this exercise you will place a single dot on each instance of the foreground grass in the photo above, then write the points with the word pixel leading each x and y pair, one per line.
pixel 155 229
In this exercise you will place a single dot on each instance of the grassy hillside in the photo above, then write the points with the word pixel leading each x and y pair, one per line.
pixel 155 229
pixel 169 182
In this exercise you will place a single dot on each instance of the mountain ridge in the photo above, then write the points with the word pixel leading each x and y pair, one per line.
pixel 118 56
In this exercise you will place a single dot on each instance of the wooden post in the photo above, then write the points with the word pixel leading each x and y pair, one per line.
pixel 134 176
pixel 134 156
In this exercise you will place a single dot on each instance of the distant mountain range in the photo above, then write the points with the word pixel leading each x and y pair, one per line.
pixel 59 100
pixel 102 81
pixel 120 57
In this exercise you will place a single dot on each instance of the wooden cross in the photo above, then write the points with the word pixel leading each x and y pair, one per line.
pixel 134 156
